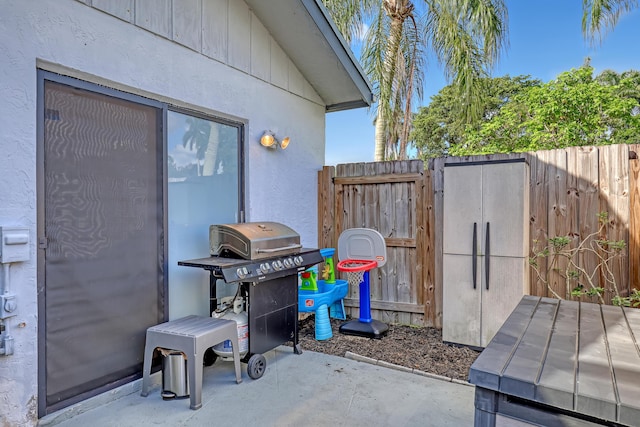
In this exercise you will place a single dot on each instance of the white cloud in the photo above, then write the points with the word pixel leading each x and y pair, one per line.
pixel 182 156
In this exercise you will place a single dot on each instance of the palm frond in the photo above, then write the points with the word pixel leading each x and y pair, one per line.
pixel 601 16
pixel 350 16
pixel 466 37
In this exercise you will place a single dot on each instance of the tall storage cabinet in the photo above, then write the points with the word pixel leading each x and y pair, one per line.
pixel 485 247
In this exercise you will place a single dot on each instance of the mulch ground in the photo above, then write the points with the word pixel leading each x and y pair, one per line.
pixel 409 346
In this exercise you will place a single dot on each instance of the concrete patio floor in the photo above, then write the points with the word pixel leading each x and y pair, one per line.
pixel 311 389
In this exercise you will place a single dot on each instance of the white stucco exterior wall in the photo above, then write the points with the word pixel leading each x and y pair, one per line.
pixel 70 37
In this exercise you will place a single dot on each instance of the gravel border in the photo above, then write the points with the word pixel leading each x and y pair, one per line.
pixel 358 358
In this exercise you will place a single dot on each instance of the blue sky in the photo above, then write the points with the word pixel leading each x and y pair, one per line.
pixel 545 39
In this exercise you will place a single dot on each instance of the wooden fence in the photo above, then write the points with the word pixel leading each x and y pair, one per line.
pixel 403 200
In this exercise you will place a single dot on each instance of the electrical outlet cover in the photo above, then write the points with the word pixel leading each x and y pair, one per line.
pixel 14 244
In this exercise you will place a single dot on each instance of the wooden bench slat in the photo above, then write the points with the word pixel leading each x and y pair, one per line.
pixel 521 373
pixel 556 384
pixel 595 393
pixel 625 357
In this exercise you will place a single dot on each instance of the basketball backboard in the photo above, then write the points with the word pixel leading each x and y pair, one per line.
pixel 362 244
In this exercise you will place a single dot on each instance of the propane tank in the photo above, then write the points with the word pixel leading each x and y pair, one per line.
pixel 225 349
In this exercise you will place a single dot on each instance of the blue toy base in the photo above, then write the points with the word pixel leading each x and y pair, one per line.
pixel 323 324
pixel 336 310
pixel 373 329
pixel 324 303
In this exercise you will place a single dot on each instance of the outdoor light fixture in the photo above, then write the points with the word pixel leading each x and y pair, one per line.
pixel 269 140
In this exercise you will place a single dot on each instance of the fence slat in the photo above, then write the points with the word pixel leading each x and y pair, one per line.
pixel 585 168
pixel 437 181
pixel 426 249
pixel 539 202
pixel 326 206
pixel 558 224
pixel 634 217
pixel 614 187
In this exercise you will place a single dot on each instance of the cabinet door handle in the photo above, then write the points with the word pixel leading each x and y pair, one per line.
pixel 474 252
pixel 487 255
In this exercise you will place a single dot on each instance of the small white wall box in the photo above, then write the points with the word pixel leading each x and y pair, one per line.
pixel 14 244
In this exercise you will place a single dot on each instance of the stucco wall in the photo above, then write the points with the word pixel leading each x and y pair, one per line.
pixel 73 38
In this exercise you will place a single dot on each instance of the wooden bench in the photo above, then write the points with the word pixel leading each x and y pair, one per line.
pixel 559 362
pixel 191 335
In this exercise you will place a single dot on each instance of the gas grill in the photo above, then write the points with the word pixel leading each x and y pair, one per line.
pixel 264 258
pixel 255 252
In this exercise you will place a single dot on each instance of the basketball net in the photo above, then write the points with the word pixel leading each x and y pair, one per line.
pixel 355 270
pixel 355 278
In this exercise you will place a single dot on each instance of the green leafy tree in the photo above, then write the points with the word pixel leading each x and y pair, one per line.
pixel 466 37
pixel 438 126
pixel 575 109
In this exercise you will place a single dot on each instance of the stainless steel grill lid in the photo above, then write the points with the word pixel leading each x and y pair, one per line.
pixel 253 240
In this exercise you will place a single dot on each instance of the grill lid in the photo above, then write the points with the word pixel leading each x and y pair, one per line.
pixel 253 240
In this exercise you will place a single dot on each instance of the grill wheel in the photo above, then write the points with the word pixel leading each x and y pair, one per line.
pixel 256 366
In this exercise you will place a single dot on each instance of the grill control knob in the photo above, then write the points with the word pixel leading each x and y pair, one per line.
pixel 241 272
pixel 277 265
pixel 297 260
pixel 265 267
pixel 288 262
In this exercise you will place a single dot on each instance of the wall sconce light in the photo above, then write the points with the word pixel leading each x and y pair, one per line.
pixel 269 140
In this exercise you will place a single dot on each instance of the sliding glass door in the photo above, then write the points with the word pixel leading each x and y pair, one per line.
pixel 204 187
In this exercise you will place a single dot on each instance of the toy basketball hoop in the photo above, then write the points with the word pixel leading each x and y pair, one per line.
pixel 355 269
pixel 361 250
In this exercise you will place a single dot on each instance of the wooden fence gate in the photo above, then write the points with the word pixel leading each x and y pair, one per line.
pixel 389 197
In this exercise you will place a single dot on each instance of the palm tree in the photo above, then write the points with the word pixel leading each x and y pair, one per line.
pixel 204 136
pixel 601 16
pixel 211 155
pixel 466 37
pixel 196 136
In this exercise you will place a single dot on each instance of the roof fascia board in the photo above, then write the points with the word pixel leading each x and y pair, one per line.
pixel 320 16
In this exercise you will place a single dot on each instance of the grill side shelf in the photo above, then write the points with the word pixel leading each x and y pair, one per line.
pixel 215 269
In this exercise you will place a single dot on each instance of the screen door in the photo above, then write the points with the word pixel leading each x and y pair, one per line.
pixel 101 239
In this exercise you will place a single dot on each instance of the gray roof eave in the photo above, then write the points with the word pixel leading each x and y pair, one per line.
pixel 305 31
